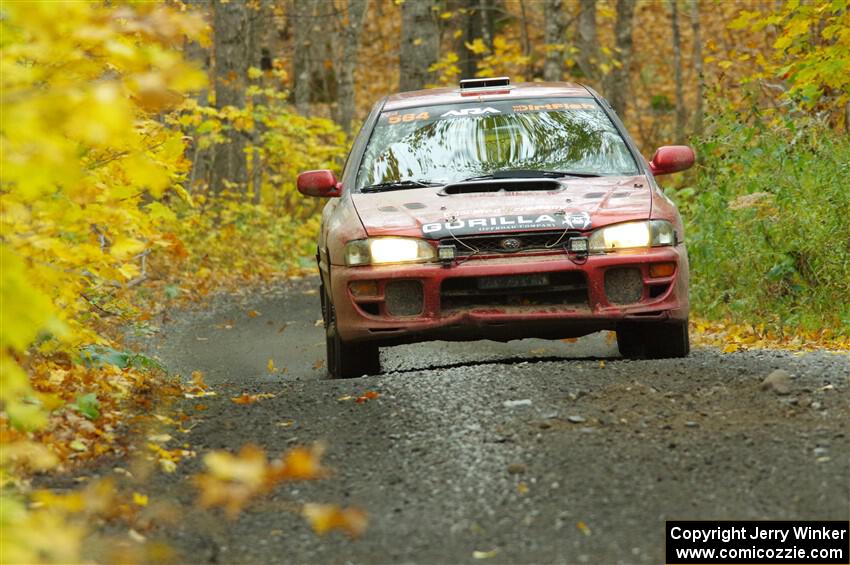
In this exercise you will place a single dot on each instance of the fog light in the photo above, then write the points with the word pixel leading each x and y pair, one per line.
pixel 446 252
pixel 662 269
pixel 578 245
pixel 363 288
pixel 404 298
pixel 623 285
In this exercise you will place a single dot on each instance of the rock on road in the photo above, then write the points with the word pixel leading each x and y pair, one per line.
pixel 526 452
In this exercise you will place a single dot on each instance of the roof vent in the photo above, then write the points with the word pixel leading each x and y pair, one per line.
pixel 490 82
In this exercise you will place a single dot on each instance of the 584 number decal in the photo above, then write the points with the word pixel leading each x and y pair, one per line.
pixel 405 118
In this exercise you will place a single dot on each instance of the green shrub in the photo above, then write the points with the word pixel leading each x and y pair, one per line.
pixel 768 222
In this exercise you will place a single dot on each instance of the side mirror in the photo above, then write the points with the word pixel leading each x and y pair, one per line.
pixel 671 159
pixel 322 184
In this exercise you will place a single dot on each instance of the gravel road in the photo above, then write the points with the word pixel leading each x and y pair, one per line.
pixel 526 452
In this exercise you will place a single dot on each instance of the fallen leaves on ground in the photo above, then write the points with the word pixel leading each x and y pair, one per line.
pixel 246 398
pixel 326 517
pixel 198 387
pixel 367 396
pixel 731 337
pixel 231 481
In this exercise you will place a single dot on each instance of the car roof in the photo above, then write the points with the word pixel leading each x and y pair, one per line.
pixel 452 95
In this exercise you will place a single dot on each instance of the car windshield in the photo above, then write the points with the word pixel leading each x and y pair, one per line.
pixel 450 143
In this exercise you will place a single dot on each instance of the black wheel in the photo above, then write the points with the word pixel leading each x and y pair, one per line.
pixel 630 341
pixel 654 341
pixel 347 360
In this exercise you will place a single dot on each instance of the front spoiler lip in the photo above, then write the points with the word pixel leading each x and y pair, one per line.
pixel 505 323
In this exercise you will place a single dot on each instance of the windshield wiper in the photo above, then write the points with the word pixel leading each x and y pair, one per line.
pixel 530 174
pixel 398 185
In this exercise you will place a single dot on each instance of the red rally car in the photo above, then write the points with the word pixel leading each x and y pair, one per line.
pixel 499 211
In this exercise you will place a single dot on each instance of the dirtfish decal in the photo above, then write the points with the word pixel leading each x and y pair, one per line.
pixel 577 221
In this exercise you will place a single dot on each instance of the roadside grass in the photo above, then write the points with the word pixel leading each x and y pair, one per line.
pixel 768 228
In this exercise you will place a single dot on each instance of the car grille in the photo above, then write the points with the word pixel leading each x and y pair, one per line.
pixel 567 288
pixel 495 244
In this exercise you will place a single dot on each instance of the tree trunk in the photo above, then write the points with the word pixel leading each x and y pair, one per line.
pixel 587 43
pixel 618 80
pixel 345 76
pixel 419 45
pixel 554 31
pixel 232 47
pixel 681 111
pixel 698 111
pixel 303 18
pixel 261 58
pixel 526 42
pixel 201 160
pixel 485 12
pixel 470 28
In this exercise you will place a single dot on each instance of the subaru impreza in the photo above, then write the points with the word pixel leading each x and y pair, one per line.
pixel 498 211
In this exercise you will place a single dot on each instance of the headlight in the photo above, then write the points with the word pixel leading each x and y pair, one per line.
pixel 383 250
pixel 633 234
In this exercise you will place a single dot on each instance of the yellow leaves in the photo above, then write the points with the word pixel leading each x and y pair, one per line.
pixel 231 481
pixel 505 58
pixel 363 398
pixel 140 499
pixel 249 468
pixel 583 528
pixel 24 313
pixel 302 464
pixel 731 337
pixel 326 517
pixel 270 366
pixel 160 212
pixel 477 46
pixel 27 456
pixel 38 536
pixel 126 247
pixel 25 310
pixel 168 459
pixel 152 93
pixel 246 398
pixel 808 66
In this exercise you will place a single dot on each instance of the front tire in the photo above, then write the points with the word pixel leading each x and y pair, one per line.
pixel 654 341
pixel 347 360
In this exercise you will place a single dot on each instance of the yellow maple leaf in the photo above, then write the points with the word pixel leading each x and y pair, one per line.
pixel 125 247
pixel 140 499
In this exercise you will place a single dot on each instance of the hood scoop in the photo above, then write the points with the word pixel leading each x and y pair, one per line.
pixel 501 185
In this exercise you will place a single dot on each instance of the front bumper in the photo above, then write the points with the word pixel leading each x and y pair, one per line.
pixel 450 308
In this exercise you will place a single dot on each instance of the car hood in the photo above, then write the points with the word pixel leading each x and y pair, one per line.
pixel 572 203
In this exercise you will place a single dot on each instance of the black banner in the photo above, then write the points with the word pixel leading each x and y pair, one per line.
pixel 757 542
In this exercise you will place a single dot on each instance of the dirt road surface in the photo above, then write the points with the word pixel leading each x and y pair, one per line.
pixel 526 452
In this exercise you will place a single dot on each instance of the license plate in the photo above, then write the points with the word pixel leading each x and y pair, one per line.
pixel 512 281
